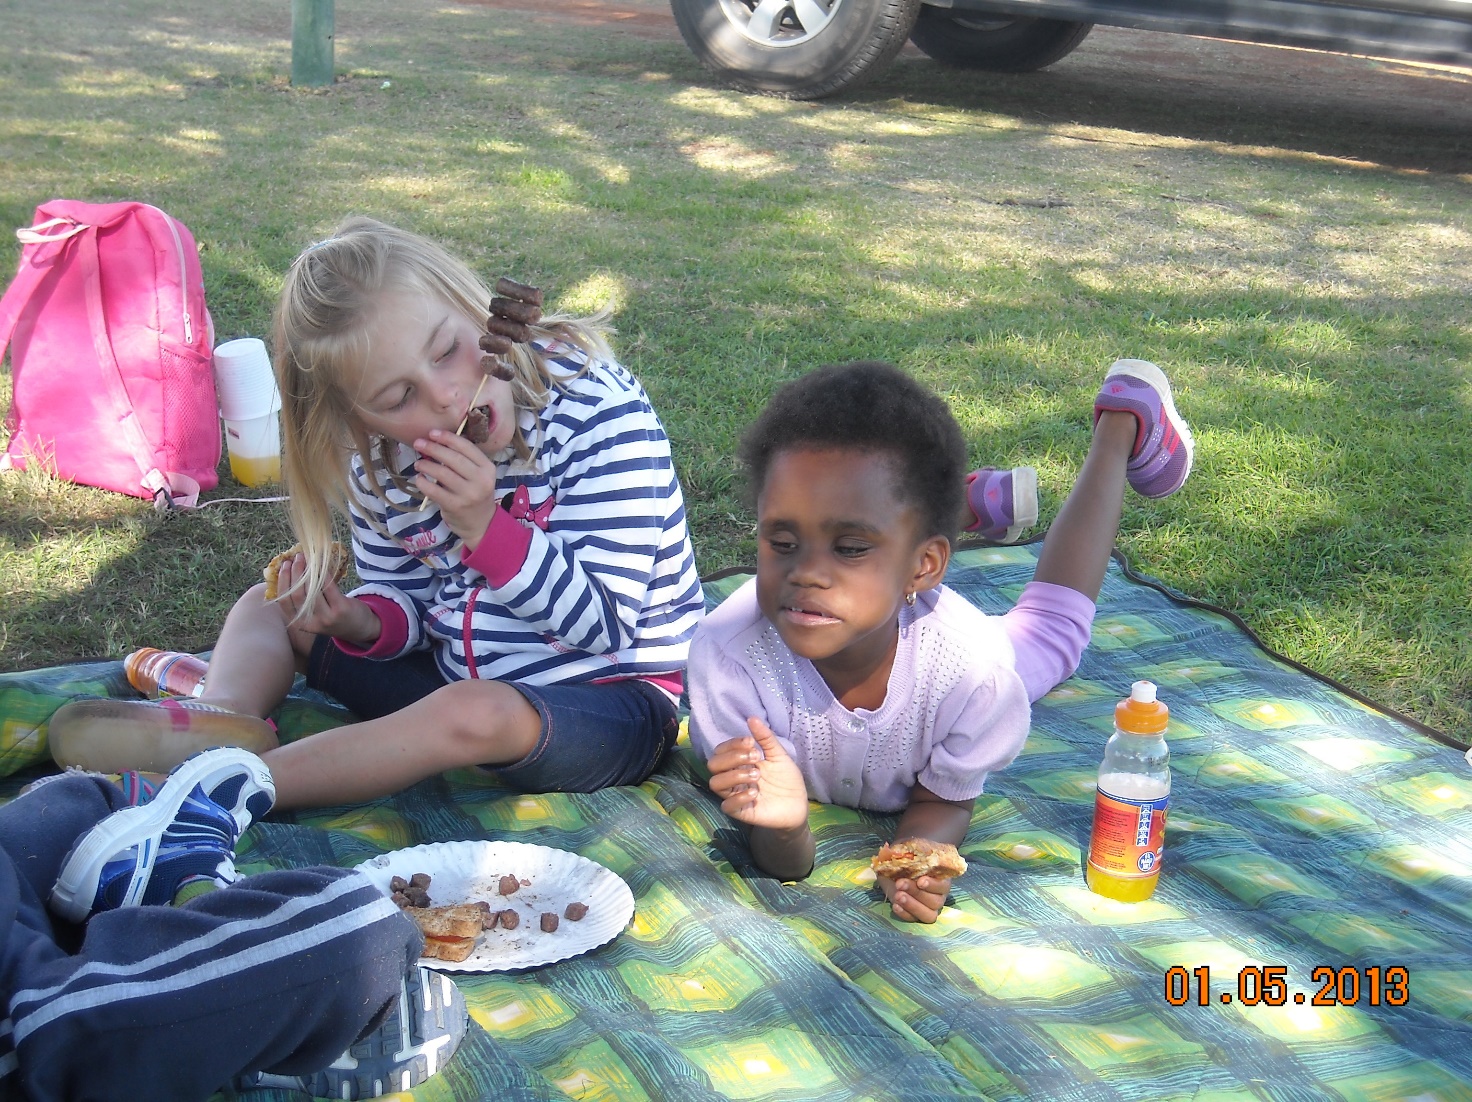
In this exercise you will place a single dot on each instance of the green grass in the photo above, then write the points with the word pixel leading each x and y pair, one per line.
pixel 1309 299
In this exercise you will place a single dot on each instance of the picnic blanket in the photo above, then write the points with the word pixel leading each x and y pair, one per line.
pixel 1309 831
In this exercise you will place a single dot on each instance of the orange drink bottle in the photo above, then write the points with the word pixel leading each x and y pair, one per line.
pixel 1128 840
pixel 159 673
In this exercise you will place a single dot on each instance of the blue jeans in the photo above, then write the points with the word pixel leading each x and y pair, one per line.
pixel 593 735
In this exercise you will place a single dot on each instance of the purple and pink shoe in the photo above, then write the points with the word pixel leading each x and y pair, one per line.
pixel 1005 502
pixel 1163 451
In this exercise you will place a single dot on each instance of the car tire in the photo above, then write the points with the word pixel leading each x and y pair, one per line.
pixel 799 49
pixel 996 42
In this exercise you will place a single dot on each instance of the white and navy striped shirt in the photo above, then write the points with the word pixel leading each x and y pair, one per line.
pixel 586 573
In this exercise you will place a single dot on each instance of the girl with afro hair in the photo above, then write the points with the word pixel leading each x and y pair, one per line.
pixel 846 671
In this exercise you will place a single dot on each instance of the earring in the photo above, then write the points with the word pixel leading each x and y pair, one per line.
pixel 910 599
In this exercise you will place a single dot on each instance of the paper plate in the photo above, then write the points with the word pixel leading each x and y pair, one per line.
pixel 550 879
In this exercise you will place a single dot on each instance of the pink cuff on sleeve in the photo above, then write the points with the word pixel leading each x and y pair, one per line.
pixel 502 550
pixel 393 631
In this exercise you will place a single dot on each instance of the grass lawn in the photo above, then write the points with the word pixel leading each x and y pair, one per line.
pixel 1002 240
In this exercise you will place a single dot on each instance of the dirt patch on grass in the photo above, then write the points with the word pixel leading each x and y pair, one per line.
pixel 645 18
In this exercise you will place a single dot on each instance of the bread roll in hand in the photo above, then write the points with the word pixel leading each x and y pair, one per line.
pixel 917 857
pixel 337 566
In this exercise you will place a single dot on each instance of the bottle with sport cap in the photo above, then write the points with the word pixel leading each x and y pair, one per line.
pixel 1128 840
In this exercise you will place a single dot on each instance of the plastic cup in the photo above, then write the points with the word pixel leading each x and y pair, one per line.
pixel 255 449
pixel 249 406
pixel 244 381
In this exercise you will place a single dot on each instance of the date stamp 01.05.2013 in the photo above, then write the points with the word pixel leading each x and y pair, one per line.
pixel 1267 984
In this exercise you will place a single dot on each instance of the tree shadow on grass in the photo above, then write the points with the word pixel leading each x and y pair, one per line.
pixel 1275 102
pixel 169 584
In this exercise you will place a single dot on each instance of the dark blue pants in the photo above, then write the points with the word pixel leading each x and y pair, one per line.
pixel 594 734
pixel 279 972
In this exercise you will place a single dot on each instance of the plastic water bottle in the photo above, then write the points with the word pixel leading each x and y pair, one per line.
pixel 158 673
pixel 1128 839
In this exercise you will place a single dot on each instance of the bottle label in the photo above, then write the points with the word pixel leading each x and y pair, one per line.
pixel 1129 835
pixel 180 675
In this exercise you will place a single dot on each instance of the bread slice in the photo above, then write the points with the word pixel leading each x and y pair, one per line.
pixel 917 857
pixel 450 933
pixel 461 920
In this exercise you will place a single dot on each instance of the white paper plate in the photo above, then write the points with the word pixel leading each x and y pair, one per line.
pixel 463 872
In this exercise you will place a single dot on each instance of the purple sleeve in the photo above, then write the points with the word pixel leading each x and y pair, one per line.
pixel 723 696
pixel 985 727
pixel 724 691
pixel 1049 627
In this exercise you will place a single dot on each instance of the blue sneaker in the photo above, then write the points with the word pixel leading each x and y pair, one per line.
pixel 142 855
pixel 422 1030
pixel 247 795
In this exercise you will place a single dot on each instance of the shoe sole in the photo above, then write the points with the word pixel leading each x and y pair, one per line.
pixel 112 736
pixel 1151 375
pixel 1024 507
pixel 412 1045
pixel 76 887
pixel 1024 501
pixel 432 1019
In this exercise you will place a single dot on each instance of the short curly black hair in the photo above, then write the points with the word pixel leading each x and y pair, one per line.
pixel 874 407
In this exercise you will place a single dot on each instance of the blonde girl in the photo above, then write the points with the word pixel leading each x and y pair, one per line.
pixel 526 602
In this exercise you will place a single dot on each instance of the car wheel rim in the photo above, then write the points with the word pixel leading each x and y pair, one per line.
pixel 780 23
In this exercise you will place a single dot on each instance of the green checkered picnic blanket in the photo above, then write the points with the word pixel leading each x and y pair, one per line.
pixel 1308 831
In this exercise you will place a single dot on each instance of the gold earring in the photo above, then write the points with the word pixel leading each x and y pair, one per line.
pixel 910 599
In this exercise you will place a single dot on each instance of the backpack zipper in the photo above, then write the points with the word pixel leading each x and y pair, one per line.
pixel 183 279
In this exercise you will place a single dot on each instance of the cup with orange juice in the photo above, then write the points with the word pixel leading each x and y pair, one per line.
pixel 250 406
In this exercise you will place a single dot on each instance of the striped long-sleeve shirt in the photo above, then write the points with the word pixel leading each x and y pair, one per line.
pixel 586 571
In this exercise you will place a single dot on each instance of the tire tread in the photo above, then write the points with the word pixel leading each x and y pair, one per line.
pixel 1022 46
pixel 889 22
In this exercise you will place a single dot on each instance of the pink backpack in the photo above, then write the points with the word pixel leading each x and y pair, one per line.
pixel 110 353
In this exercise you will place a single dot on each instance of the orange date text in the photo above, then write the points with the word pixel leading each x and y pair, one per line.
pixel 1267 984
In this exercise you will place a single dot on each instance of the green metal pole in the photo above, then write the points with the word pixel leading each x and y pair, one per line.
pixel 311 43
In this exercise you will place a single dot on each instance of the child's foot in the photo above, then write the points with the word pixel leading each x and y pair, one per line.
pixel 1163 450
pixel 423 1029
pixel 1005 503
pixel 112 736
pixel 144 854
pixel 248 797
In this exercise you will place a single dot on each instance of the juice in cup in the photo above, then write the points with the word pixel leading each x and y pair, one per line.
pixel 255 449
pixel 256 471
pixel 250 405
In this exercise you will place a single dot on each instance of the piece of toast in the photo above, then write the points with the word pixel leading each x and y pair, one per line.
pixel 916 857
pixel 338 565
pixel 450 933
